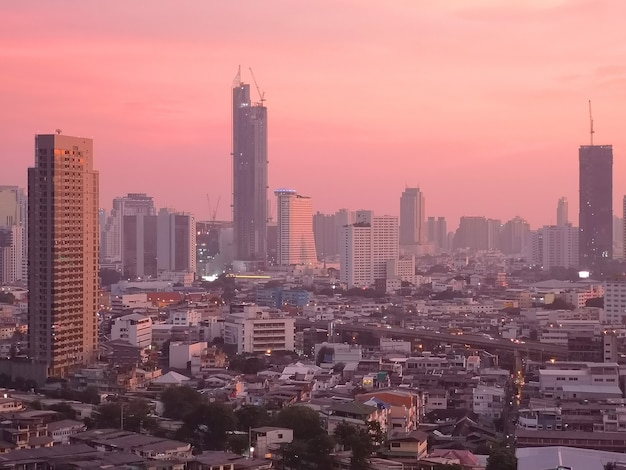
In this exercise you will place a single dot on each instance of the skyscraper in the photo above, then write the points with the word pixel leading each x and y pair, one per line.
pixel 412 217
pixel 139 246
pixel 559 246
pixel 63 253
pixel 296 244
pixel 366 247
pixel 14 219
pixel 176 241
pixel 473 233
pixel 249 175
pixel 596 204
pixel 562 216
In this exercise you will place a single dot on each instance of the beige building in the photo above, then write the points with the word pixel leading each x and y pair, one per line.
pixel 63 253
pixel 296 244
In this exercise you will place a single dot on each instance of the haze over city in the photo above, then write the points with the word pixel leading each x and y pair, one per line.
pixel 483 107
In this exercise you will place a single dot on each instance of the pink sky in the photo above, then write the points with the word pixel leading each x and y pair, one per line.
pixel 482 106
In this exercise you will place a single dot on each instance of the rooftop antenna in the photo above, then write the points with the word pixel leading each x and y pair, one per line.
pixel 237 79
pixel 591 131
pixel 58 131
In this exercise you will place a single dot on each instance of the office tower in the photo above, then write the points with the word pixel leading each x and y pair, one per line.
pixel 618 237
pixel 176 242
pixel 533 251
pixel 131 204
pixel 494 231
pixel 559 247
pixel 473 233
pixel 562 214
pixel 249 175
pixel 296 244
pixel 412 217
pixel 513 236
pixel 326 232
pixel 596 204
pixel 11 252
pixel 63 253
pixel 367 245
pixel 437 232
pixel 14 213
pixel 615 301
pixel 139 242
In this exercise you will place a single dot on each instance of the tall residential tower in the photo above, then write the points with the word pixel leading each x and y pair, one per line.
pixel 249 175
pixel 296 244
pixel 63 253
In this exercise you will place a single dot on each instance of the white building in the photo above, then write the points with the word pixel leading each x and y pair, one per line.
pixel 403 269
pixel 14 218
pixel 186 317
pixel 296 244
pixel 135 329
pixel 615 301
pixel 559 246
pixel 120 303
pixel 268 440
pixel 488 401
pixel 336 353
pixel 11 254
pixel 366 247
pixel 176 241
pixel 182 353
pixel 580 380
pixel 259 329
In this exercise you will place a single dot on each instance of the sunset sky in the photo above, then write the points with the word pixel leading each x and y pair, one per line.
pixel 481 104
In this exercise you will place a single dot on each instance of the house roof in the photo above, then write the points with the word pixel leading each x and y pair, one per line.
pixel 540 458
pixel 171 378
pixel 465 457
pixel 352 408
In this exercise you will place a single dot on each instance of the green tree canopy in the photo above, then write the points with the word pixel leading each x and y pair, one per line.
pixel 135 415
pixel 501 458
pixel 208 427
pixel 359 440
pixel 304 421
pixel 180 401
pixel 250 416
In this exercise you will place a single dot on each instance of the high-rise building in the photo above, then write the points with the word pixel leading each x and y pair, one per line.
pixel 596 204
pixel 562 214
pixel 63 253
pixel 14 219
pixel 412 217
pixel 249 175
pixel 437 232
pixel 514 235
pixel 296 244
pixel 139 246
pixel 176 241
pixel 615 301
pixel 559 248
pixel 367 246
pixel 325 232
pixel 473 233
pixel 131 204
pixel 11 252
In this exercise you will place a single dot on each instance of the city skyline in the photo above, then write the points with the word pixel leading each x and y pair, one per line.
pixel 331 117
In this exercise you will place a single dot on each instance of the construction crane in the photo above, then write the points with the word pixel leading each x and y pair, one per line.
pixel 591 131
pixel 213 210
pixel 261 93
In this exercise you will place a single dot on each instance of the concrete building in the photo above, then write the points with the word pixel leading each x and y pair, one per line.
pixel 139 246
pixel 249 174
pixel 11 254
pixel 63 194
pixel 367 246
pixel 185 317
pixel 596 204
pixel 437 233
pixel 615 301
pixel 326 235
pixel 14 217
pixel 133 204
pixel 296 244
pixel 514 236
pixel 473 234
pixel 182 353
pixel 134 328
pixel 176 241
pixel 488 401
pixel 562 212
pixel 584 380
pixel 559 247
pixel 258 330
pixel 269 440
pixel 412 217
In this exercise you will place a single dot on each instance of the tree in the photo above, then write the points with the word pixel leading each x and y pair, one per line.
pixel 237 444
pixel 313 454
pixel 324 352
pixel 559 304
pixel 180 401
pixel 247 364
pixel 65 411
pixel 358 440
pixel 304 422
pixel 109 277
pixel 249 416
pixel 135 414
pixel 7 298
pixel 595 302
pixel 208 426
pixel 501 458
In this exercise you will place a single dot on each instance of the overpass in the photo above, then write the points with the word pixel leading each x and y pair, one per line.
pixel 545 350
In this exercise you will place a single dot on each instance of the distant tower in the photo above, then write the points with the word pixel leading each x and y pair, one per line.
pixel 296 244
pixel 596 203
pixel 562 217
pixel 63 253
pixel 412 217
pixel 249 175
